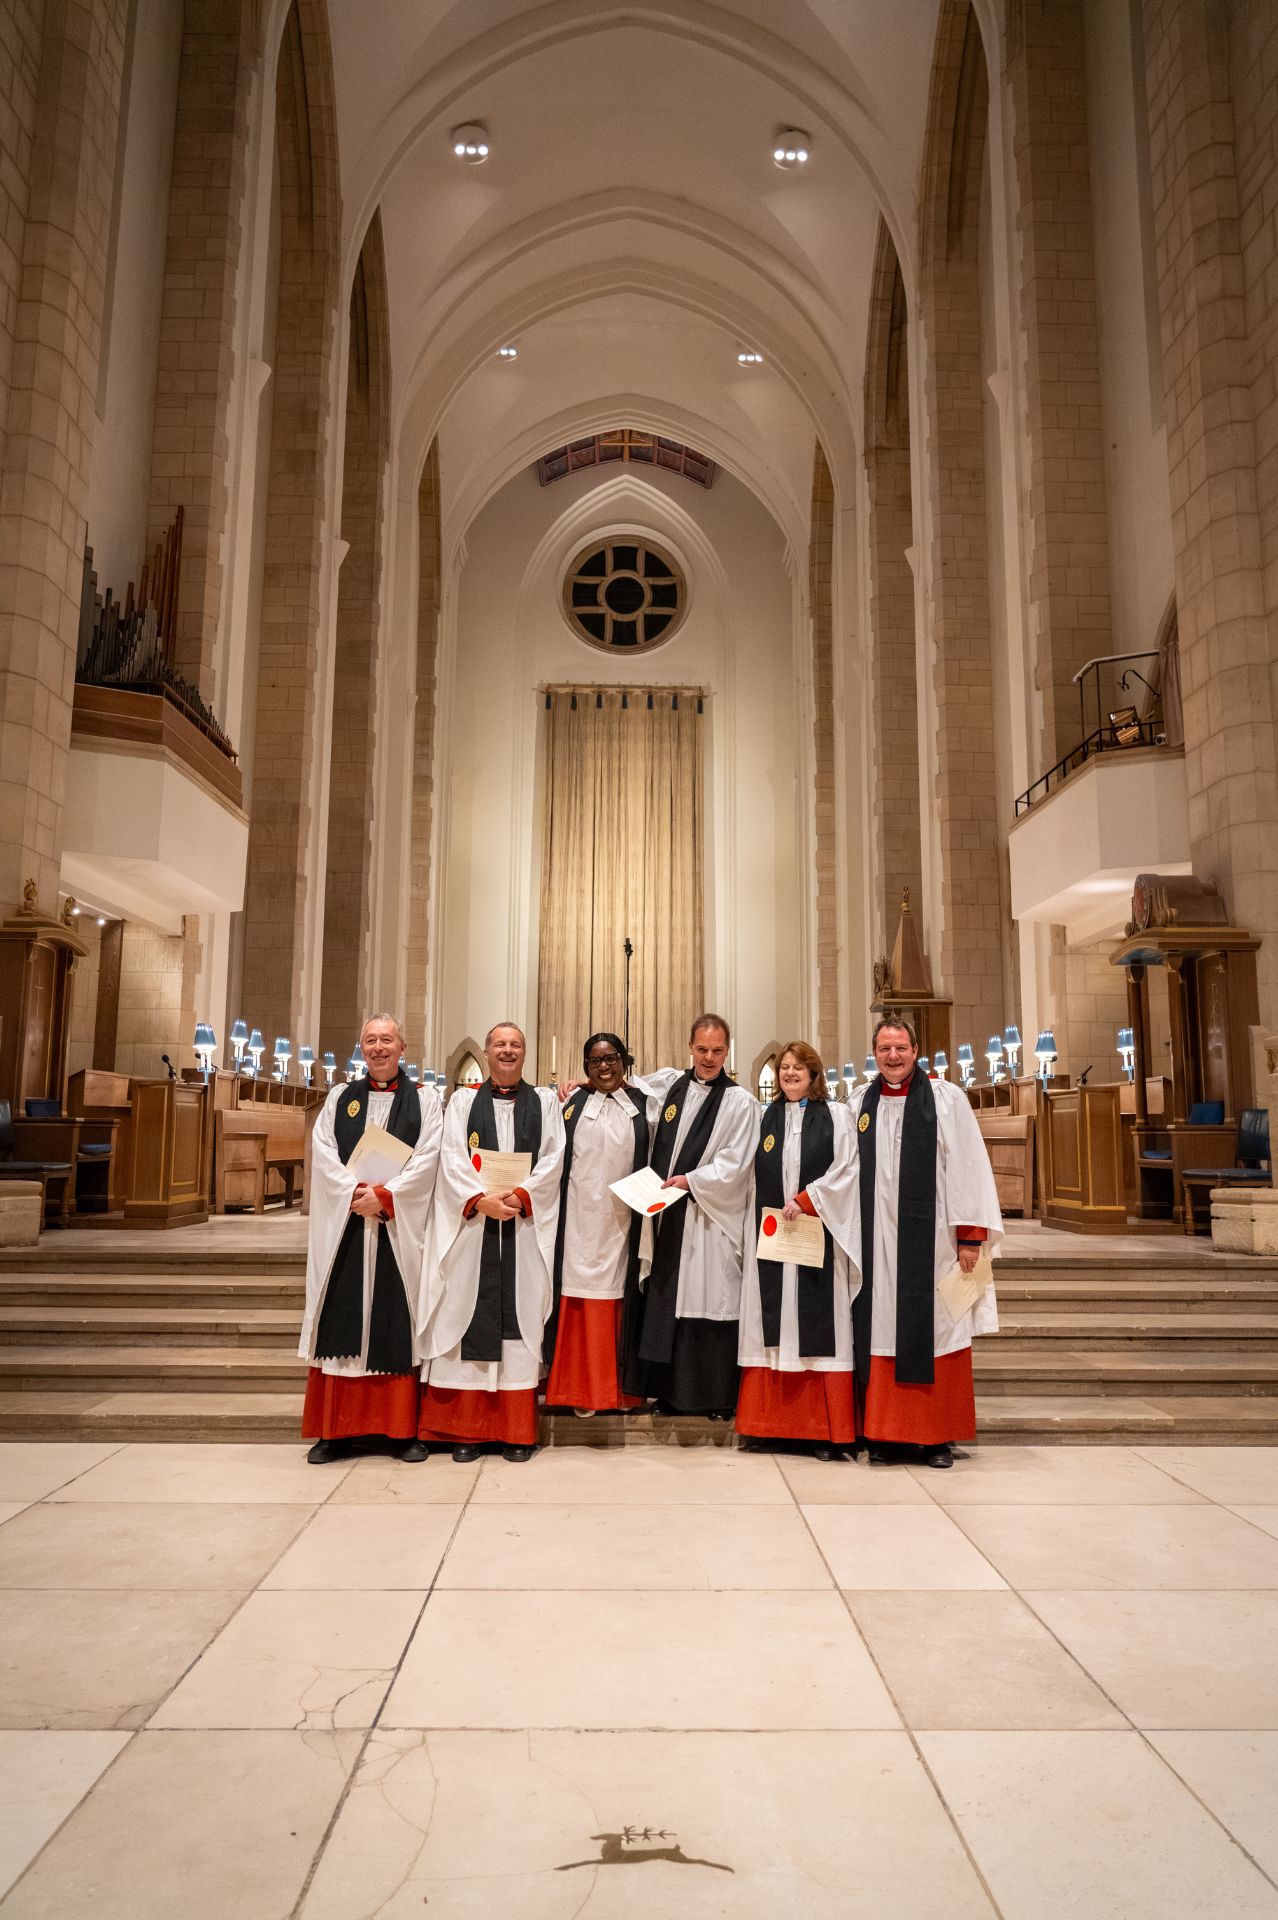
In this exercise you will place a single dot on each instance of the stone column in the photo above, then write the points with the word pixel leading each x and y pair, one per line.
pixel 1211 88
pixel 821 608
pixel 1067 540
pixel 196 370
pixel 58 124
pixel 416 1016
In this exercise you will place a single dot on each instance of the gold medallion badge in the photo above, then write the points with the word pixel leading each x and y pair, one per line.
pixel 473 1142
pixel 352 1108
pixel 670 1112
pixel 769 1143
pixel 568 1113
pixel 863 1124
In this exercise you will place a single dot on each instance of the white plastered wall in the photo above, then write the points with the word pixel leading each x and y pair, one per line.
pixel 505 637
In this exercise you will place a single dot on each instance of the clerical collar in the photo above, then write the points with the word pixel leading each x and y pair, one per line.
pixel 384 1086
pixel 897 1093
pixel 505 1093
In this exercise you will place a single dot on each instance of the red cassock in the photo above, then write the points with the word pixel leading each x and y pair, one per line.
pixel 344 1407
pixel 921 1416
pixel 797 1406
pixel 583 1372
pixel 460 1416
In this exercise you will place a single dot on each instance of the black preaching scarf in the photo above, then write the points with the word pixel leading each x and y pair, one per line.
pixel 496 1315
pixel 657 1339
pixel 341 1322
pixel 815 1284
pixel 915 1236
pixel 572 1114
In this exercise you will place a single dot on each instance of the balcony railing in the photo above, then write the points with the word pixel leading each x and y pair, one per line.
pixel 1120 708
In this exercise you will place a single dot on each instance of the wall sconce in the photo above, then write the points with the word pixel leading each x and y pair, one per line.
pixel 1045 1053
pixel 940 1063
pixel 255 1048
pixel 967 1064
pixel 283 1054
pixel 205 1047
pixel 239 1040
pixel 869 1069
pixel 994 1056
pixel 1012 1047
pixel 306 1064
pixel 329 1064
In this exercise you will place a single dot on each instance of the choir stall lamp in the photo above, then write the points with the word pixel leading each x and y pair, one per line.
pixel 1012 1048
pixel 329 1064
pixel 355 1065
pixel 283 1054
pixel 255 1047
pixel 994 1056
pixel 849 1079
pixel 940 1063
pixel 832 1082
pixel 869 1069
pixel 1045 1054
pixel 1127 1052
pixel 413 1071
pixel 925 1065
pixel 306 1064
pixel 205 1047
pixel 239 1040
pixel 967 1063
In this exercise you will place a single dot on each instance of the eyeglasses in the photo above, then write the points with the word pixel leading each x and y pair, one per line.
pixel 605 1059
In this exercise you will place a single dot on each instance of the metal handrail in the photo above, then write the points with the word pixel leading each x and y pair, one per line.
pixel 1101 741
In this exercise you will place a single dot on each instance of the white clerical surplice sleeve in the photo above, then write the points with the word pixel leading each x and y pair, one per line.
pixel 836 1194
pixel 721 1184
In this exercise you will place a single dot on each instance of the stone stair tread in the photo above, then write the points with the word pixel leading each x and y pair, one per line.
pixel 161 1361
pixel 178 1319
pixel 1070 1413
pixel 1178 1326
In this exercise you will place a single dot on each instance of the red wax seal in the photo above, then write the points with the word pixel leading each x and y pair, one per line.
pixel 658 1206
pixel 476 1161
pixel 770 1225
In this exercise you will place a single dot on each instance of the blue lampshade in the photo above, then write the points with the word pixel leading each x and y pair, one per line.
pixel 831 1078
pixel 1011 1037
pixel 305 1057
pixel 256 1044
pixel 412 1071
pixel 1045 1045
pixel 240 1034
pixel 205 1038
pixel 283 1048
pixel 869 1069
pixel 965 1055
pixel 428 1076
pixel 329 1060
pixel 925 1063
pixel 994 1048
pixel 849 1072
pixel 941 1062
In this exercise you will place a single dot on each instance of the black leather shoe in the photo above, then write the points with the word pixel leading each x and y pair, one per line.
pixel 718 1416
pixel 518 1454
pixel 880 1455
pixel 822 1452
pixel 942 1456
pixel 413 1451
pixel 464 1455
pixel 325 1451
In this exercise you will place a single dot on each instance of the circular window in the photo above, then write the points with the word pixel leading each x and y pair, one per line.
pixel 626 593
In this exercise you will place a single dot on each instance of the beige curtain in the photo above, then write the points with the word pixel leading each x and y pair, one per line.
pixel 622 835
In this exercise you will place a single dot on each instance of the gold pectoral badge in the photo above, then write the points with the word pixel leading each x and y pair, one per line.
pixel 769 1143
pixel 352 1108
pixel 670 1112
pixel 863 1124
pixel 473 1142
pixel 568 1113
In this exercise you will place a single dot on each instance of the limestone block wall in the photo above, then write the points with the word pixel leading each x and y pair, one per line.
pixel 157 999
pixel 416 1018
pixel 825 847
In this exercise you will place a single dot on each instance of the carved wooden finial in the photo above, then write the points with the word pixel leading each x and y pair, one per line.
pixel 30 895
pixel 905 900
pixel 68 911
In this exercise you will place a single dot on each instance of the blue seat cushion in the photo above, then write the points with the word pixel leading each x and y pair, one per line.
pixel 97 1152
pixel 1156 1153
pixel 1207 1113
pixel 1225 1174
pixel 18 1169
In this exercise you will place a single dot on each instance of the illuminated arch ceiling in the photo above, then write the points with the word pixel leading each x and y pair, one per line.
pixel 630 233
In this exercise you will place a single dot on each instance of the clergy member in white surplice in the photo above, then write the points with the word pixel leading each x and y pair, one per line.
pixel 796 1321
pixel 364 1256
pixel 684 1349
pixel 486 1277
pixel 927 1204
pixel 597 1250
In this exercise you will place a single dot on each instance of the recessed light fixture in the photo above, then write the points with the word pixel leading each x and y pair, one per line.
pixel 101 919
pixel 470 143
pixel 749 359
pixel 508 353
pixel 791 148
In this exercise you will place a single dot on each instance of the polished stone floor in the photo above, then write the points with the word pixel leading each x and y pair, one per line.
pixel 662 1681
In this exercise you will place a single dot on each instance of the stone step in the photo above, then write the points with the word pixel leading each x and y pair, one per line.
pixel 65 1252
pixel 1057 1369
pixel 1118 1293
pixel 1021 1329
pixel 171 1327
pixel 149 1369
pixel 155 1290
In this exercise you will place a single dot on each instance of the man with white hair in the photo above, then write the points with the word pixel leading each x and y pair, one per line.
pixel 364 1255
pixel 490 1255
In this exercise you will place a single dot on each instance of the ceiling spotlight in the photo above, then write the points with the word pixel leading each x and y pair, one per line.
pixel 749 359
pixel 101 919
pixel 792 148
pixel 508 353
pixel 470 143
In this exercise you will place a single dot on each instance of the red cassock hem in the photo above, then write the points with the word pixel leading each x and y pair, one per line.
pixel 461 1414
pixel 341 1406
pixel 797 1406
pixel 583 1372
pixel 921 1416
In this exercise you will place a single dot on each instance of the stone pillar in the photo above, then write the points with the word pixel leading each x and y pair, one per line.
pixel 821 607
pixel 957 607
pixel 278 883
pixel 1216 233
pixel 898 861
pixel 347 890
pixel 1067 540
pixel 195 373
pixel 416 1017
pixel 58 124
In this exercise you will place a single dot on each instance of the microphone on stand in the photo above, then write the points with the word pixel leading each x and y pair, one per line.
pixel 169 1064
pixel 627 948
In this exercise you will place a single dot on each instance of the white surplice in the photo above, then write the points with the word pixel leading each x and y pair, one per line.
pixel 596 1224
pixel 965 1197
pixel 450 1268
pixel 714 1233
pixel 786 1357
pixel 331 1191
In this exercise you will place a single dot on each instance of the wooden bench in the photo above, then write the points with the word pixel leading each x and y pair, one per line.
pixel 283 1131
pixel 239 1162
pixel 1009 1141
